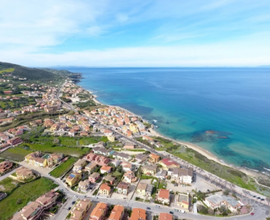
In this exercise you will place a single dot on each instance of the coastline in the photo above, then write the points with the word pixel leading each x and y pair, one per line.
pixel 195 147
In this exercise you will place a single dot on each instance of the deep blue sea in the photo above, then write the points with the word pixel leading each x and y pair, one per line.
pixel 224 110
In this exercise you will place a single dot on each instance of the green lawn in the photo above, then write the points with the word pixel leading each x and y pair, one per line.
pixel 78 141
pixel 15 153
pixel 51 148
pixel 67 145
pixel 62 168
pixel 22 195
pixel 8 184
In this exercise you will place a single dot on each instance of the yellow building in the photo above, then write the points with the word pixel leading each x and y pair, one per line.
pixel 73 179
pixel 133 128
pixel 36 159
pixel 80 209
pixel 183 200
pixel 111 138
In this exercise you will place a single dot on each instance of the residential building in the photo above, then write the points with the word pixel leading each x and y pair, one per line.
pixel 164 196
pixel 99 212
pixel 116 162
pixel 162 174
pixel 130 177
pixel 105 169
pixel 84 185
pixel 167 163
pixel 98 159
pixel 43 160
pixel 23 173
pixel 109 178
pixel 80 209
pixel 34 210
pixel 138 214
pixel 94 177
pixel 165 216
pixel 216 201
pixel 141 157
pixel 5 166
pixel 183 200
pixel 149 139
pixel 73 179
pixel 104 189
pixel 181 175
pixel 149 170
pixel 117 213
pixel 122 156
pixel 123 188
pixel 144 189
pixel 53 159
pixel 79 165
pixel 90 167
pixel 15 141
pixel 111 138
pixel 129 146
pixel 153 158
pixel 127 166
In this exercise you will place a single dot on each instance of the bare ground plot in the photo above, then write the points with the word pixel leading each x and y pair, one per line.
pixel 200 184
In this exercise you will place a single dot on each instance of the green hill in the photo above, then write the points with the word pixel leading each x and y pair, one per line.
pixel 25 72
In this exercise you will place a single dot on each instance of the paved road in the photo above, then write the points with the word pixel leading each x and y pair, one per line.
pixel 7 174
pixel 260 208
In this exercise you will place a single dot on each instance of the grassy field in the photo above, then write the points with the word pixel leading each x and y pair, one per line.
pixel 8 184
pixel 22 195
pixel 51 148
pixel 67 145
pixel 8 70
pixel 15 153
pixel 79 141
pixel 60 170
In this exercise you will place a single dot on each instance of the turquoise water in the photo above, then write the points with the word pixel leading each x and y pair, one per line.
pixel 233 103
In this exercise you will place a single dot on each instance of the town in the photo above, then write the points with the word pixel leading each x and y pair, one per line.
pixel 78 159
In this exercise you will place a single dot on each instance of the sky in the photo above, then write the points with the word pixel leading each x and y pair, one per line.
pixel 137 33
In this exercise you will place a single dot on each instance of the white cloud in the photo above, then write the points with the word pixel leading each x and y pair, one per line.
pixel 27 27
pixel 45 23
pixel 217 54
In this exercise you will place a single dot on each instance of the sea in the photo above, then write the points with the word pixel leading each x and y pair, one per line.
pixel 223 110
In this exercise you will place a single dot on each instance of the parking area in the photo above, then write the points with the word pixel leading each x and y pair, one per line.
pixel 200 184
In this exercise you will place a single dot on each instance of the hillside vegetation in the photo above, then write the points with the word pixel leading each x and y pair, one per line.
pixel 25 72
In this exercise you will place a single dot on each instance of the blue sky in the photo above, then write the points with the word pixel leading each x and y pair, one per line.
pixel 135 33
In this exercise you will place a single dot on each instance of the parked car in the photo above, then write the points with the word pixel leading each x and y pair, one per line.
pixel 171 212
pixel 148 208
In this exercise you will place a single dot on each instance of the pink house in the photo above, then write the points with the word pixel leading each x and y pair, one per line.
pixel 98 159
pixel 94 177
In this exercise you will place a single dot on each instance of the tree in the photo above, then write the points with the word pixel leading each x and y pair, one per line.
pixel 226 192
pixel 202 209
pixel 19 201
pixel 223 210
